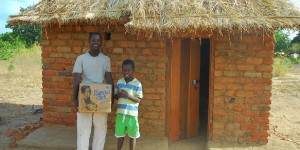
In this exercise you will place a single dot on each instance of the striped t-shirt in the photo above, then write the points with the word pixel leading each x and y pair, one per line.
pixel 134 88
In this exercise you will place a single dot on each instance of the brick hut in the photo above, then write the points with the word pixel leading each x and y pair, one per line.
pixel 206 66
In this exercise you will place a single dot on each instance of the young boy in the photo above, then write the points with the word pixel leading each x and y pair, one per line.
pixel 129 93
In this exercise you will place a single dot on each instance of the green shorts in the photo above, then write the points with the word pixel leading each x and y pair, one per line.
pixel 127 124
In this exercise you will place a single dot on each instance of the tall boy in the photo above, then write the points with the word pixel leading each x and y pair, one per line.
pixel 93 67
pixel 129 93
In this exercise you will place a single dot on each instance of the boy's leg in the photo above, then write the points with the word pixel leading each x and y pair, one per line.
pixel 100 128
pixel 133 127
pixel 84 124
pixel 120 131
pixel 120 143
pixel 133 131
pixel 132 143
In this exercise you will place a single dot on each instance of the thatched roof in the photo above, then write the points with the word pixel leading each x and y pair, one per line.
pixel 171 16
pixel 65 11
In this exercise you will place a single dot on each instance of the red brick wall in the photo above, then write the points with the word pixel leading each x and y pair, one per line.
pixel 242 88
pixel 242 79
pixel 60 47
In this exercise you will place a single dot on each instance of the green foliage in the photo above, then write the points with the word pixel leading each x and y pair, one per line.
pixel 296 39
pixel 295 44
pixel 21 37
pixel 281 66
pixel 34 49
pixel 12 39
pixel 8 37
pixel 9 45
pixel 6 50
pixel 294 60
pixel 282 41
pixel 29 34
pixel 295 48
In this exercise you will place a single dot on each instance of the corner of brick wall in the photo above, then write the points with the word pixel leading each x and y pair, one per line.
pixel 60 47
pixel 242 88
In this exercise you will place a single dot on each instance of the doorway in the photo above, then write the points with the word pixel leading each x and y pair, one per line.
pixel 204 87
pixel 189 88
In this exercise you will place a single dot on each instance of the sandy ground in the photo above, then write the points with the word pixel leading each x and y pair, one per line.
pixel 285 110
pixel 21 88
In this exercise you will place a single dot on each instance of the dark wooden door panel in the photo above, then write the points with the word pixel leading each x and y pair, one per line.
pixel 194 90
pixel 184 86
pixel 174 111
pixel 184 97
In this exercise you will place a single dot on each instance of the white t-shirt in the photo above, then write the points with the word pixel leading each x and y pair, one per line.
pixel 92 68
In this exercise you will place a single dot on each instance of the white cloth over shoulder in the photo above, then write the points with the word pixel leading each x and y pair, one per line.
pixel 92 68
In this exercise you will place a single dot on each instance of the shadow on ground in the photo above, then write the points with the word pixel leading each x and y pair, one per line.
pixel 14 116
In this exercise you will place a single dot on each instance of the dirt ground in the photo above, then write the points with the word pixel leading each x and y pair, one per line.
pixel 285 110
pixel 21 89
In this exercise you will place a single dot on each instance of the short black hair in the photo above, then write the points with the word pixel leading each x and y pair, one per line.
pixel 84 87
pixel 128 62
pixel 94 33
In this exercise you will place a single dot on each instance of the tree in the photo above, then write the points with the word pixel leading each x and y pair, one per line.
pixel 9 45
pixel 9 37
pixel 295 44
pixel 295 48
pixel 282 41
pixel 296 39
pixel 6 51
pixel 30 34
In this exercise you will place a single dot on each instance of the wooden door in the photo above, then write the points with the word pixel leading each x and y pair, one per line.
pixel 194 90
pixel 184 96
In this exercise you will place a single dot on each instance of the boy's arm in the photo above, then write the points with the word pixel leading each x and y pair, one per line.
pixel 131 97
pixel 76 82
pixel 117 96
pixel 135 99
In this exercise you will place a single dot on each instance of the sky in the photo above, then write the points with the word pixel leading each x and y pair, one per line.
pixel 12 7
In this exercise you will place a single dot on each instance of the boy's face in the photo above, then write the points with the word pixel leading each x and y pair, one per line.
pixel 87 92
pixel 95 42
pixel 127 71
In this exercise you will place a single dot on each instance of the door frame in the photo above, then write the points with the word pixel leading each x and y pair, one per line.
pixel 172 57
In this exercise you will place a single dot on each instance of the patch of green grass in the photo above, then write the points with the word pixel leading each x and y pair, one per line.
pixel 25 60
pixel 34 49
pixel 281 66
pixel 11 66
pixel 8 50
pixel 295 60
pixel 29 58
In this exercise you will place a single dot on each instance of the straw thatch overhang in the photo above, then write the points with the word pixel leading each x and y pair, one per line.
pixel 69 11
pixel 166 16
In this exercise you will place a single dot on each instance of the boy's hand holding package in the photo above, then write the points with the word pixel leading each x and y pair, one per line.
pixel 123 94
